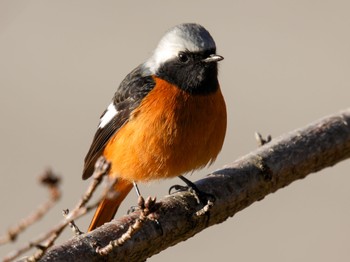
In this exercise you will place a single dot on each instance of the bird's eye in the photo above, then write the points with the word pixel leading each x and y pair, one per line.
pixel 183 57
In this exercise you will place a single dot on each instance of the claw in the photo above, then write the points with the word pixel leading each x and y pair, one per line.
pixel 178 188
pixel 201 197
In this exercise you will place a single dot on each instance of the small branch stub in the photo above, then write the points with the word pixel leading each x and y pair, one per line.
pixel 260 140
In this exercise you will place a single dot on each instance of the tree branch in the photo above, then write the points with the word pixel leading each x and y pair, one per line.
pixel 270 167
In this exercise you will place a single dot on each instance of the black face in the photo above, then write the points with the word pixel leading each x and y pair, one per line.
pixel 189 72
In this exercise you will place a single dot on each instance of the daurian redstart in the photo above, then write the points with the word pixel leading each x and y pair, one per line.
pixel 167 117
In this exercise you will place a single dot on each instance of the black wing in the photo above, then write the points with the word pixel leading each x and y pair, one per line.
pixel 129 95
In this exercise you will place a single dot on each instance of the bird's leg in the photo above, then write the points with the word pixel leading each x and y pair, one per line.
pixel 136 189
pixel 134 208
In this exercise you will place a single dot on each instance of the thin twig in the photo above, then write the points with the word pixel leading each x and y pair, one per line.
pixel 72 224
pixel 52 182
pixel 52 233
pixel 101 169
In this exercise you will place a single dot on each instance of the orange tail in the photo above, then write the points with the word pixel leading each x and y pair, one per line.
pixel 109 206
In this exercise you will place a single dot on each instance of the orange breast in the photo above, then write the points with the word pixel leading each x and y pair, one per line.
pixel 170 133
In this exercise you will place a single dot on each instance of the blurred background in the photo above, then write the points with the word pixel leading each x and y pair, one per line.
pixel 287 63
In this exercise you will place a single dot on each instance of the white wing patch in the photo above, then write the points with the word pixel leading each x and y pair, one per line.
pixel 108 115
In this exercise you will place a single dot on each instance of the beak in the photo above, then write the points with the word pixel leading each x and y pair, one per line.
pixel 213 58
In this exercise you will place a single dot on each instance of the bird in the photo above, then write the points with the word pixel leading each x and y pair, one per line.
pixel 167 117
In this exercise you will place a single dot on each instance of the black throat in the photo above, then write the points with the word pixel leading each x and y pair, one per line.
pixel 192 75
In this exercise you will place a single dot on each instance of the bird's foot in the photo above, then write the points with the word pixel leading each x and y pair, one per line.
pixel 206 199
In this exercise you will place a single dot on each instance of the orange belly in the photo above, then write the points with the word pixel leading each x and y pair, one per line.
pixel 169 134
